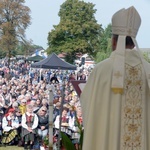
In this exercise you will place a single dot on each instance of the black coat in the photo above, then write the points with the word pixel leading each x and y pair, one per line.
pixel 43 121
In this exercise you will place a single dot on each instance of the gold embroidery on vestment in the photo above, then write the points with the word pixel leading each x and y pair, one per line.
pixel 118 74
pixel 132 109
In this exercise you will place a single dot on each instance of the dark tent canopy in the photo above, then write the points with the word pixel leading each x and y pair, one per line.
pixel 35 58
pixel 53 62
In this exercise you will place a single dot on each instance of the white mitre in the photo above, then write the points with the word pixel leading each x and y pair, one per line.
pixel 125 22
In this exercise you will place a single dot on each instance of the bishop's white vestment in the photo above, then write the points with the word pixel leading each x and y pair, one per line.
pixel 114 121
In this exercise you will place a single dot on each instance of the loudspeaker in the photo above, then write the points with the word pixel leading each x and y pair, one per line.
pixel 83 60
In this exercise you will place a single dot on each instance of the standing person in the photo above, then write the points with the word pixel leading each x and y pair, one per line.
pixel 116 98
pixel 29 125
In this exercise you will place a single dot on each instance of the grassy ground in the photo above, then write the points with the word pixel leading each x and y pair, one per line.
pixel 11 148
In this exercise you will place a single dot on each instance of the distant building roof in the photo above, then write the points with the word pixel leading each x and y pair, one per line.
pixel 145 49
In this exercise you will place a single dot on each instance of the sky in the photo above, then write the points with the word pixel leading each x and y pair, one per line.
pixel 44 14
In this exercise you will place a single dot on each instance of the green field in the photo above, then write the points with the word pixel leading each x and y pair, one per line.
pixel 11 148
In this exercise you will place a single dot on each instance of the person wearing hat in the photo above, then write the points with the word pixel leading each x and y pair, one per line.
pixel 116 98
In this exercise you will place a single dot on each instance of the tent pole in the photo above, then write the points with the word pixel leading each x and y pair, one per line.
pixel 60 119
pixel 50 119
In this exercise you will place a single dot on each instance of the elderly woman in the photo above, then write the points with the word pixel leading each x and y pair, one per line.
pixel 43 122
pixel 29 125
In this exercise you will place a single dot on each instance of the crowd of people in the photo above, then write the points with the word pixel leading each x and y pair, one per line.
pixel 24 103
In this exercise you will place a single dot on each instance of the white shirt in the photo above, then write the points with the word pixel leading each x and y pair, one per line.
pixel 14 123
pixel 35 123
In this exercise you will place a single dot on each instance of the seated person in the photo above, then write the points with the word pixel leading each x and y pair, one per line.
pixel 29 125
pixel 10 123
pixel 22 106
pixel 65 122
pixel 43 122
pixel 19 129
pixel 64 119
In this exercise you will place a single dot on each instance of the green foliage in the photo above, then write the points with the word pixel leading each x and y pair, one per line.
pixel 26 49
pixel 14 19
pixel 81 139
pixel 105 45
pixel 77 32
pixel 2 53
pixel 67 142
pixel 81 132
pixel 70 57
pixel 46 141
pixel 100 56
pixel 106 35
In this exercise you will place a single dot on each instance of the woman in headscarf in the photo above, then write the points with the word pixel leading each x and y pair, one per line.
pixel 10 123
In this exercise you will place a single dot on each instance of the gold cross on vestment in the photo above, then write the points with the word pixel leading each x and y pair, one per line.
pixel 118 74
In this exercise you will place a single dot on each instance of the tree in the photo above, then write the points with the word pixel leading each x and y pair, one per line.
pixel 14 19
pixel 77 32
pixel 105 45
pixel 27 49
